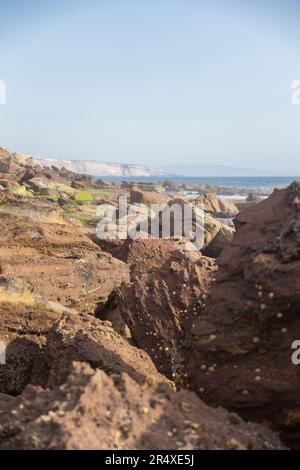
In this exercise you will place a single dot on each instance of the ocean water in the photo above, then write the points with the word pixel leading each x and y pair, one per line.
pixel 251 182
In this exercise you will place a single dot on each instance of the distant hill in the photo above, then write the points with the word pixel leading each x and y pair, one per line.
pixel 209 170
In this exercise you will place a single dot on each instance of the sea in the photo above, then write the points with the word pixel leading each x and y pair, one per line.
pixel 251 183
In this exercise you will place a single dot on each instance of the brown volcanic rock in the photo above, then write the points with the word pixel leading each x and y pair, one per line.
pixel 163 300
pixel 37 178
pixel 93 411
pixel 39 247
pixel 217 236
pixel 216 206
pixel 26 170
pixel 147 198
pixel 10 163
pixel 24 322
pixel 241 348
pixel 86 339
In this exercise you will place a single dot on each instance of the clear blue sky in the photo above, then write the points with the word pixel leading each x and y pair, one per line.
pixel 153 81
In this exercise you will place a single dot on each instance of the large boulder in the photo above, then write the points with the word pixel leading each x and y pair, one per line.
pixel 10 163
pixel 216 206
pixel 217 235
pixel 39 184
pixel 241 348
pixel 169 221
pixel 93 411
pixel 86 339
pixel 168 285
pixel 147 198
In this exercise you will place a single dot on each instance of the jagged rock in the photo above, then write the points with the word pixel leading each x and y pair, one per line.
pixel 8 183
pixel 94 411
pixel 162 301
pixel 217 236
pixel 241 347
pixel 39 184
pixel 147 198
pixel 87 339
pixel 216 206
pixel 142 221
pixel 26 169
pixel 10 163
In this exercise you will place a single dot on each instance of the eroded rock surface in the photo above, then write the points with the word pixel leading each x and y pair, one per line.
pixel 39 247
pixel 241 349
pixel 84 338
pixel 166 293
pixel 94 411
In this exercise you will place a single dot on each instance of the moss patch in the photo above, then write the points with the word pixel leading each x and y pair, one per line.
pixel 84 196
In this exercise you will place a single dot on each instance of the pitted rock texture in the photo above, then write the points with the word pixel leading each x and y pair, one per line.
pixel 57 261
pixel 165 296
pixel 94 411
pixel 241 355
pixel 86 339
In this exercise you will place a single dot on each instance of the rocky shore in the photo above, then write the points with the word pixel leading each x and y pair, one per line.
pixel 141 343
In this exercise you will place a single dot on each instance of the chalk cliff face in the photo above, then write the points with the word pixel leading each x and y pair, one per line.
pixel 96 168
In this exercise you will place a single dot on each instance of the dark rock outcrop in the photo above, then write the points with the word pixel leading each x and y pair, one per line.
pixel 165 296
pixel 241 351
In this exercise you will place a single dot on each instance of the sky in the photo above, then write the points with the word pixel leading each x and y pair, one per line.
pixel 160 82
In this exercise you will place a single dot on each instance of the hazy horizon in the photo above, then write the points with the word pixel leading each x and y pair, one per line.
pixel 166 83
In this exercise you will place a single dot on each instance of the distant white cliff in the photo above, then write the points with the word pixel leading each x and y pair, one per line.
pixel 94 168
